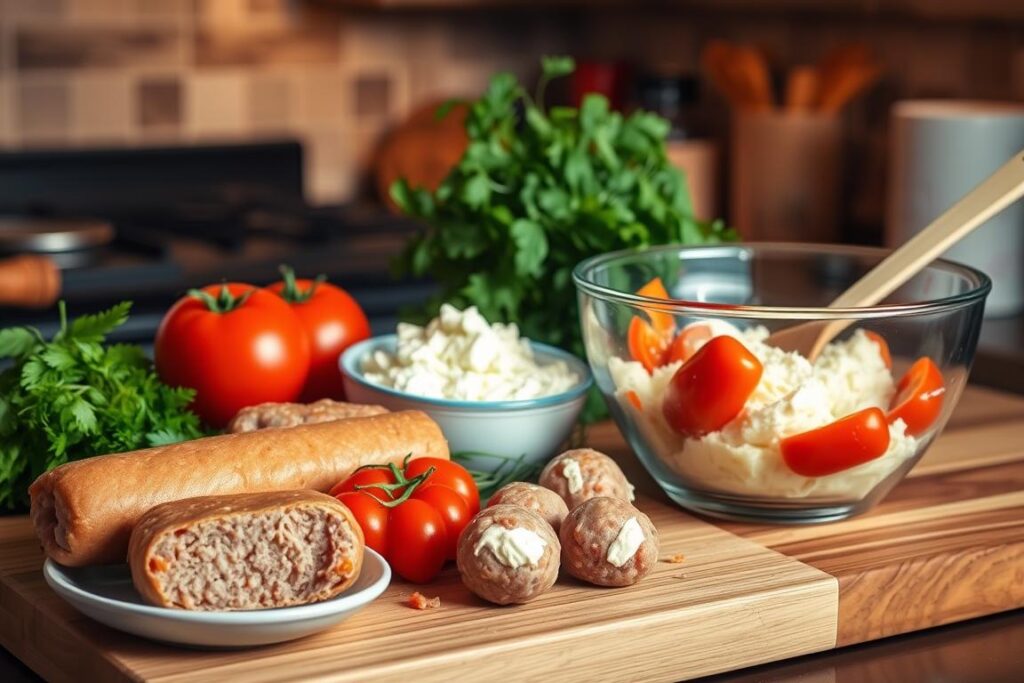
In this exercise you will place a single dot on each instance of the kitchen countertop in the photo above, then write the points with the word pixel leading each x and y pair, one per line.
pixel 985 649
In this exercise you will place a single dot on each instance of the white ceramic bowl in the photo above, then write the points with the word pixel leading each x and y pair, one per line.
pixel 106 594
pixel 534 427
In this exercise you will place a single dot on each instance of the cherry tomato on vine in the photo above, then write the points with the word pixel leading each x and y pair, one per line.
pixel 363 477
pixel 711 388
pixel 417 541
pixel 849 441
pixel 412 515
pixel 453 509
pixel 371 515
pixel 450 474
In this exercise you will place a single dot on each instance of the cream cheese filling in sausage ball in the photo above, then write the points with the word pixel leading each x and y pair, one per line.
pixel 608 542
pixel 583 473
pixel 508 554
pixel 544 502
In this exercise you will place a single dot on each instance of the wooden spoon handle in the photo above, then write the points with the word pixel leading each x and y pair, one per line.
pixel 991 196
pixel 29 282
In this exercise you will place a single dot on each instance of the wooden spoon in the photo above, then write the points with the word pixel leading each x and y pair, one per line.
pixel 994 194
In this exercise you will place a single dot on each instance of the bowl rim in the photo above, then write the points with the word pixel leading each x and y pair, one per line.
pixel 982 284
pixel 349 365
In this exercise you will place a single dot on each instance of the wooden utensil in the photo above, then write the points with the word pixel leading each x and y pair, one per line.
pixel 29 282
pixel 991 196
pixel 846 85
pixel 802 86
pixel 740 74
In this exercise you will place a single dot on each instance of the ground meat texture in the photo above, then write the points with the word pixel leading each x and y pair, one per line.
pixel 544 502
pixel 270 415
pixel 486 575
pixel 583 473
pixel 591 528
pixel 247 551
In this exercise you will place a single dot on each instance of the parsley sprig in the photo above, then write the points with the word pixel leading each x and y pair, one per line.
pixel 538 190
pixel 75 396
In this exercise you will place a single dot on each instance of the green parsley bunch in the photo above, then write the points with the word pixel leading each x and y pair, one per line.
pixel 74 396
pixel 536 192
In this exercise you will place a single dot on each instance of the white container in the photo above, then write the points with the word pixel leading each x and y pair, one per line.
pixel 106 594
pixel 941 149
pixel 534 427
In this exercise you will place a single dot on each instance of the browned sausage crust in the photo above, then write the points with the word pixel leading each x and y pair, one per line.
pixel 84 511
pixel 246 551
pixel 270 415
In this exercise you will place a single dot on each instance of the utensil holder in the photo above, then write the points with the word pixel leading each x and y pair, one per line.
pixel 785 176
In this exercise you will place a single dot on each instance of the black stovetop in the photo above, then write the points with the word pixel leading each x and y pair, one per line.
pixel 188 216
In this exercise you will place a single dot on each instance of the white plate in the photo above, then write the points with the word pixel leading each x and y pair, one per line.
pixel 106 594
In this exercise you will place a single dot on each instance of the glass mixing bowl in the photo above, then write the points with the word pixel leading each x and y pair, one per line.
pixel 738 471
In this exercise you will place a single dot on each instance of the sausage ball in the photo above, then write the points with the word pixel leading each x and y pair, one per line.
pixel 508 554
pixel 583 473
pixel 608 542
pixel 544 502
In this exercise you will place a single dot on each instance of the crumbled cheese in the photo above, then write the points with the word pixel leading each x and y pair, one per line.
pixel 573 475
pixel 512 547
pixel 625 545
pixel 459 355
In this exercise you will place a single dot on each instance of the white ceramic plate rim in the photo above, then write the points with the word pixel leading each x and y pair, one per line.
pixel 55 576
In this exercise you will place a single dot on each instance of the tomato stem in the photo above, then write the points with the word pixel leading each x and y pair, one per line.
pixel 291 292
pixel 224 302
pixel 410 487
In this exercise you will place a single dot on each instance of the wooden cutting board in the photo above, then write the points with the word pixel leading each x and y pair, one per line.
pixel 948 544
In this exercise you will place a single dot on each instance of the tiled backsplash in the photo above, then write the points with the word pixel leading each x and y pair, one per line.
pixel 101 72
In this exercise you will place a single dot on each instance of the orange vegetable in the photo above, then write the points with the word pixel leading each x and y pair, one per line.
pixel 883 347
pixel 918 400
pixel 840 445
pixel 645 345
pixel 664 324
pixel 685 343
pixel 711 388
pixel 634 399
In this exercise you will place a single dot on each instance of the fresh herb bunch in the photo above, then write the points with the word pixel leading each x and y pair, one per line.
pixel 536 192
pixel 74 397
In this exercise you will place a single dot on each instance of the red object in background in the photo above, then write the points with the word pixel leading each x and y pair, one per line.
pixel 610 79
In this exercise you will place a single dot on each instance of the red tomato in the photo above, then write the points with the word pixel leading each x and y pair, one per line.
pixel 686 343
pixel 645 345
pixel 410 527
pixel 453 508
pixel 333 321
pixel 883 347
pixel 710 389
pixel 417 543
pixel 919 395
pixel 236 345
pixel 371 515
pixel 840 445
pixel 450 474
